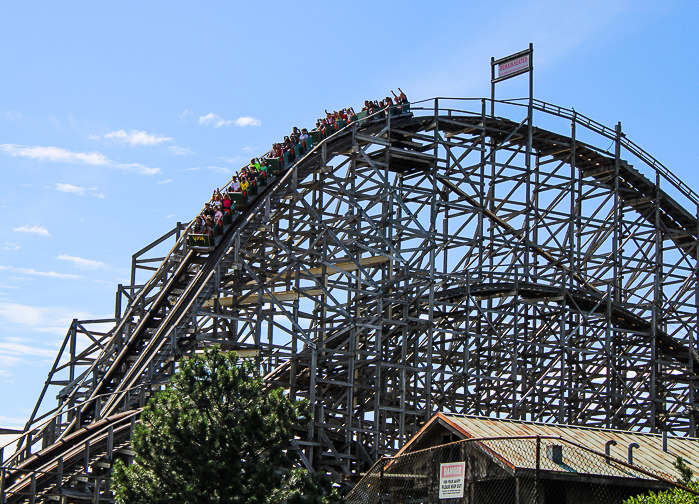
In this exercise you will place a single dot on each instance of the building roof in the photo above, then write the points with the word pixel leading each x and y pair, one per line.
pixel 521 453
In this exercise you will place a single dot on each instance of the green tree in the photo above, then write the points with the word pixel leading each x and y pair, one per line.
pixel 214 435
pixel 674 495
pixel 686 473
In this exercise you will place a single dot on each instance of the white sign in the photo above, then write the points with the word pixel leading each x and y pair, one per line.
pixel 513 66
pixel 451 480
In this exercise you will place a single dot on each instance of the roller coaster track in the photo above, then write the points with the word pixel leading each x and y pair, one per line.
pixel 563 288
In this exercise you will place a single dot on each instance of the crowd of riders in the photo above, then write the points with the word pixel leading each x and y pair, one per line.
pixel 246 180
pixel 348 115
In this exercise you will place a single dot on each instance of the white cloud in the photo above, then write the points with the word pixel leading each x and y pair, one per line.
pixel 31 271
pixel 70 188
pixel 138 168
pixel 164 181
pixel 231 159
pixel 17 348
pixel 180 151
pixel 58 155
pixel 214 119
pixel 135 137
pixel 34 230
pixel 169 216
pixel 12 423
pixel 55 154
pixel 184 114
pixel 218 121
pixel 94 137
pixel 249 149
pixel 32 323
pixel 11 246
pixel 215 169
pixel 99 195
pixel 7 286
pixel 82 263
pixel 247 121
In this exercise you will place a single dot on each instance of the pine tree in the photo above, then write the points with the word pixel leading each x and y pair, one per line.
pixel 674 495
pixel 214 435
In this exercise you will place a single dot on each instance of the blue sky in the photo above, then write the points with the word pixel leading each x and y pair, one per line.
pixel 118 120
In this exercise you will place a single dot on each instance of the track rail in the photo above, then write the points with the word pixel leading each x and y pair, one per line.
pixel 389 322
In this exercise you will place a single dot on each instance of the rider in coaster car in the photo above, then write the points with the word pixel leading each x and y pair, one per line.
pixel 208 211
pixel 199 227
pixel 209 226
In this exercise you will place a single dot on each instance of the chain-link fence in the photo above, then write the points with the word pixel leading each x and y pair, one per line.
pixel 513 470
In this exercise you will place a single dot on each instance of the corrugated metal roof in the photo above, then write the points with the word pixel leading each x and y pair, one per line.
pixel 522 453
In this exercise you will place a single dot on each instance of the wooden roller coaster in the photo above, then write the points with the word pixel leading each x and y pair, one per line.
pixel 439 260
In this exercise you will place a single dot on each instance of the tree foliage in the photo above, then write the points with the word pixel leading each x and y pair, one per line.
pixel 214 435
pixel 674 495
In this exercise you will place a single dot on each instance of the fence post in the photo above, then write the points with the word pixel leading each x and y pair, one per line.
pixel 538 464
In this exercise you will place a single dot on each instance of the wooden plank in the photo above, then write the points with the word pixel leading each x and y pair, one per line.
pixel 266 298
pixel 346 266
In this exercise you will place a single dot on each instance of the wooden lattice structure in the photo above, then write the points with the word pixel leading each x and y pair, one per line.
pixel 442 260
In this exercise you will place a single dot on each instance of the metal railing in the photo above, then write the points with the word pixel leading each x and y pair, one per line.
pixel 586 122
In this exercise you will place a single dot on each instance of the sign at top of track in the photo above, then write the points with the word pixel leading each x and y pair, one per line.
pixel 514 64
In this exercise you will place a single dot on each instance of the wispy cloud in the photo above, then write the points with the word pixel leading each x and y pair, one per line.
pixel 11 422
pixel 217 121
pixel 135 137
pixel 215 169
pixel 180 151
pixel 214 119
pixel 33 230
pixel 31 271
pixel 18 348
pixel 247 121
pixel 81 191
pixel 81 263
pixel 184 115
pixel 59 155
pixel 57 124
pixel 249 149
pixel 168 181
pixel 94 137
pixel 11 246
pixel 231 159
pixel 556 31
pixel 55 154
pixel 169 216
pixel 70 188
pixel 43 319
